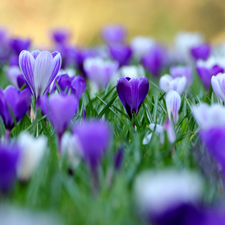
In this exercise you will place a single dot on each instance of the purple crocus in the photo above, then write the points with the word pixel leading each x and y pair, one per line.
pixel 218 85
pixel 76 84
pixel 121 53
pixel 18 45
pixel 118 158
pixel 114 34
pixel 100 71
pixel 39 70
pixel 15 101
pixel 60 35
pixel 59 109
pixel 94 138
pixel 208 68
pixel 154 60
pixel 9 155
pixel 132 93
pixel 202 51
pixel 182 71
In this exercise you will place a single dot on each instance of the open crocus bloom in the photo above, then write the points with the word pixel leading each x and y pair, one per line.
pixel 218 85
pixel 173 102
pixel 39 70
pixel 201 52
pixel 132 93
pixel 177 84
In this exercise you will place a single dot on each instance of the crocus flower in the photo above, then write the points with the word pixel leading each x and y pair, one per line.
pixel 171 203
pixel 154 60
pixel 218 85
pixel 141 46
pixel 18 45
pixel 121 53
pixel 118 158
pixel 178 84
pixel 132 71
pixel 182 71
pixel 113 34
pixel 94 138
pixel 59 109
pixel 31 154
pixel 9 155
pixel 201 52
pixel 39 70
pixel 60 35
pixel 76 84
pixel 132 93
pixel 100 71
pixel 208 68
pixel 12 73
pixel 13 100
pixel 173 102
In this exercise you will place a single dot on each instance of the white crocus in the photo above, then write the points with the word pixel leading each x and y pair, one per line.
pixel 141 46
pixel 218 85
pixel 32 151
pixel 158 191
pixel 132 71
pixel 177 84
pixel 71 148
pixel 173 102
pixel 158 130
pixel 209 116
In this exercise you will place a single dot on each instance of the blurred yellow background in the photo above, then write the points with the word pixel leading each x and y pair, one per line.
pixel 160 19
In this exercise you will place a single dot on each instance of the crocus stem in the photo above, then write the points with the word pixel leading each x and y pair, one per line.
pixel 59 144
pixel 7 134
pixel 94 181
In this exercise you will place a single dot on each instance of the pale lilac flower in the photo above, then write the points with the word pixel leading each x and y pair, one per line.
pixel 218 85
pixel 173 102
pixel 39 70
pixel 132 71
pixel 177 84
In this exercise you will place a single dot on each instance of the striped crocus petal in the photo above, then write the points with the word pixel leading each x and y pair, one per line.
pixel 46 68
pixel 26 63
pixel 173 102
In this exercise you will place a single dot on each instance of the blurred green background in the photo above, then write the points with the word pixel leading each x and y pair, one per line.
pixel 161 19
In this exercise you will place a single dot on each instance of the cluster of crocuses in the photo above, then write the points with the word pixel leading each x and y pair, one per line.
pixel 56 81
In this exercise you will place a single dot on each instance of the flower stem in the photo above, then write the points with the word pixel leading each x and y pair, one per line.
pixel 59 144
pixel 7 134
pixel 95 186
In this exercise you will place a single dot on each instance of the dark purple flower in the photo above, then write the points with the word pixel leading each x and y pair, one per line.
pixel 76 84
pixel 201 52
pixel 132 93
pixel 114 34
pixel 94 138
pixel 207 69
pixel 18 102
pixel 60 35
pixel 18 45
pixel 182 71
pixel 60 110
pixel 154 60
pixel 121 53
pixel 118 159
pixel 9 155
pixel 39 70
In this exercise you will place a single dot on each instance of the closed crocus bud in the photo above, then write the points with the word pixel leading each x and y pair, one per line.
pixel 17 102
pixel 132 93
pixel 208 68
pixel 94 138
pixel 76 84
pixel 12 73
pixel 182 71
pixel 31 154
pixel 9 155
pixel 118 159
pixel 201 52
pixel 168 83
pixel 39 70
pixel 60 110
pixel 218 85
pixel 121 53
pixel 60 35
pixel 154 60
pixel 209 116
pixel 173 102
pixel 100 71
pixel 114 34
pixel 141 46
pixel 168 204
